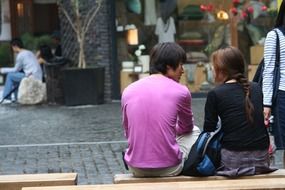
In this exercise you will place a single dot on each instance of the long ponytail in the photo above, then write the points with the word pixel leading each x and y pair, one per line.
pixel 249 108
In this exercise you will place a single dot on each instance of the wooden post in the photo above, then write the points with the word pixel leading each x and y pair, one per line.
pixel 234 32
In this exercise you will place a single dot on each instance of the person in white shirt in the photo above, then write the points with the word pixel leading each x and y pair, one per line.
pixel 26 65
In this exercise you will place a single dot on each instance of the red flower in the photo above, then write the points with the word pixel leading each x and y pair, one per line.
pixel 264 8
pixel 210 7
pixel 243 15
pixel 236 2
pixel 203 7
pixel 250 9
pixel 234 11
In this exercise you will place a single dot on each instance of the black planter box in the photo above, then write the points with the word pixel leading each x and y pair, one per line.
pixel 84 86
pixel 54 83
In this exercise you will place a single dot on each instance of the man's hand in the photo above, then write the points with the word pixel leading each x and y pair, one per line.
pixel 267 113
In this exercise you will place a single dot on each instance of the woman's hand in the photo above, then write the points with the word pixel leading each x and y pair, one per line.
pixel 267 113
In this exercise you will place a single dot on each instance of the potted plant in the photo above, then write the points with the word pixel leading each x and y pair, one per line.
pixel 82 84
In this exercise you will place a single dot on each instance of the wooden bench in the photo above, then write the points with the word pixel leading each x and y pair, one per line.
pixel 231 184
pixel 129 178
pixel 16 182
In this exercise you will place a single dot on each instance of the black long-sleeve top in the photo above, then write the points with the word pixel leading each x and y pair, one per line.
pixel 228 102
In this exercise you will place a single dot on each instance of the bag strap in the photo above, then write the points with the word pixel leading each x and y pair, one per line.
pixel 276 77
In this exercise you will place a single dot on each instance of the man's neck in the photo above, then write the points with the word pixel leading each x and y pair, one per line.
pixel 18 50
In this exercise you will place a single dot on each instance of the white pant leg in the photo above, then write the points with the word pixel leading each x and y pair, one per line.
pixel 186 141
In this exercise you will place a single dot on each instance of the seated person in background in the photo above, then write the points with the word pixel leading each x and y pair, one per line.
pixel 26 65
pixel 56 40
pixel 239 105
pixel 157 117
pixel 44 55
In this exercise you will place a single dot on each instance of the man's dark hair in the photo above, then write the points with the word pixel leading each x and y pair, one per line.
pixel 56 35
pixel 166 54
pixel 280 20
pixel 17 42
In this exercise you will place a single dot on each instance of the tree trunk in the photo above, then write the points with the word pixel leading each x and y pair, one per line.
pixel 81 59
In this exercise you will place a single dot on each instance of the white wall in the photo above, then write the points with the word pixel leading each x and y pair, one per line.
pixel 5 34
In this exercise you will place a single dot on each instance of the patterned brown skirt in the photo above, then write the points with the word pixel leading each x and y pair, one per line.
pixel 244 163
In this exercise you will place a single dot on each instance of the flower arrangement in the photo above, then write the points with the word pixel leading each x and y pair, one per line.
pixel 247 10
pixel 141 60
pixel 139 51
pixel 255 17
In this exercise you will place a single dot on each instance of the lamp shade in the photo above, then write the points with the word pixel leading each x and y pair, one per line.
pixel 222 15
pixel 132 37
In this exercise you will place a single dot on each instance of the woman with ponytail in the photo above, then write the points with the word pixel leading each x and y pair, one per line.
pixel 239 105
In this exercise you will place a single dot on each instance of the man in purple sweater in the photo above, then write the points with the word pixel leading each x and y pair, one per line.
pixel 157 116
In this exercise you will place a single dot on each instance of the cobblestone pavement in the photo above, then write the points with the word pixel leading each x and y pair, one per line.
pixel 83 139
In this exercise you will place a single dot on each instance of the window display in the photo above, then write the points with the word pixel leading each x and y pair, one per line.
pixel 200 27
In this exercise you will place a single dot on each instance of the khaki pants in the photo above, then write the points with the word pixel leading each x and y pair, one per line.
pixel 185 143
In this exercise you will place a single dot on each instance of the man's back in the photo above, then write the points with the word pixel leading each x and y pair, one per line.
pixel 150 108
pixel 27 61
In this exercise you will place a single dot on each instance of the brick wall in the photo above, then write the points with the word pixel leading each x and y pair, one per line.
pixel 97 43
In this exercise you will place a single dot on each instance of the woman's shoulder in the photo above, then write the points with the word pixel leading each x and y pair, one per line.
pixel 220 89
pixel 225 87
pixel 228 90
pixel 272 33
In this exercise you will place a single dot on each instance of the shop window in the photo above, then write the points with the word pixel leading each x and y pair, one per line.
pixel 199 26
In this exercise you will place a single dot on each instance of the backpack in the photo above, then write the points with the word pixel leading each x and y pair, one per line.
pixel 205 155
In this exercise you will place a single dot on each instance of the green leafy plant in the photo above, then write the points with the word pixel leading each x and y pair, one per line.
pixel 34 42
pixel 6 55
pixel 28 41
pixel 43 39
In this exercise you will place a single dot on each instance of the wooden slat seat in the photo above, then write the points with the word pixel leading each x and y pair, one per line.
pixel 16 182
pixel 231 184
pixel 129 178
